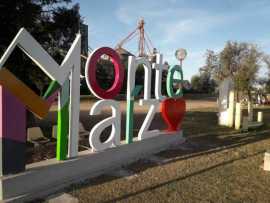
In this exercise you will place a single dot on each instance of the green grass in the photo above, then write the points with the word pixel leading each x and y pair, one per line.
pixel 216 165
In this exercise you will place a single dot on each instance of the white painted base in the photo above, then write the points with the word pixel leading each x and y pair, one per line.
pixel 223 118
pixel 266 164
pixel 42 178
pixel 64 198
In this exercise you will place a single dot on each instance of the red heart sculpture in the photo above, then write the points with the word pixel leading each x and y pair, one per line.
pixel 173 111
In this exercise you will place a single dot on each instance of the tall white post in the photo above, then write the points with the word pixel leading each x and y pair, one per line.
pixel 231 109
pixel 238 115
pixel 260 116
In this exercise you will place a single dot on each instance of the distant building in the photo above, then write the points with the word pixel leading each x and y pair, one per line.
pixel 124 54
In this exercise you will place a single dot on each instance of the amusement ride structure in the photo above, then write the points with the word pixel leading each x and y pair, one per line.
pixel 145 45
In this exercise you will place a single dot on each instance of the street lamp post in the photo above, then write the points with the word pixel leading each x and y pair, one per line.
pixel 180 55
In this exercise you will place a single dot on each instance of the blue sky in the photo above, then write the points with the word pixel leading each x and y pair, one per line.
pixel 171 24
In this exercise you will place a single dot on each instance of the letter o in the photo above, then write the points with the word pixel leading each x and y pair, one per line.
pixel 90 73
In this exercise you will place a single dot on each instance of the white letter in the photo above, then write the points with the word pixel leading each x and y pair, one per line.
pixel 68 70
pixel 144 132
pixel 158 80
pixel 132 67
pixel 114 121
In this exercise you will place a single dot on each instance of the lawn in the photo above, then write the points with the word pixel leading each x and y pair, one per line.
pixel 216 164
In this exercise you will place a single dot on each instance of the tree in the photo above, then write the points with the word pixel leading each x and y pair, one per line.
pixel 195 83
pixel 211 64
pixel 52 24
pixel 240 61
pixel 265 81
pixel 203 83
pixel 266 59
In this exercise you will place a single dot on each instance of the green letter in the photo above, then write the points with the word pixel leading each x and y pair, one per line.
pixel 171 78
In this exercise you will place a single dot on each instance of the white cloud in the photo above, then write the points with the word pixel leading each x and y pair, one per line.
pixel 129 12
pixel 123 15
pixel 172 22
pixel 192 26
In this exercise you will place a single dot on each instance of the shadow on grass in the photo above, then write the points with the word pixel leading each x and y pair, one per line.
pixel 203 145
pixel 179 178
pixel 194 146
pixel 204 136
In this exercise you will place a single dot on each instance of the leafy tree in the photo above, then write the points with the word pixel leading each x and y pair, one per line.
pixel 53 25
pixel 265 81
pixel 267 86
pixel 211 64
pixel 203 83
pixel 196 83
pixel 240 61
pixel 266 59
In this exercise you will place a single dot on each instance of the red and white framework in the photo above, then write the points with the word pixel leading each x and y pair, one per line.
pixel 145 45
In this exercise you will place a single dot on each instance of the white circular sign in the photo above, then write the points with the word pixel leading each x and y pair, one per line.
pixel 180 54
